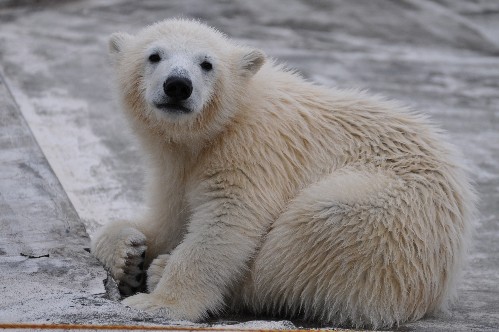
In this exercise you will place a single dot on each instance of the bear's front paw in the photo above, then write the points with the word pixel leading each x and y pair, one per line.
pixel 155 271
pixel 146 302
pixel 122 250
pixel 164 307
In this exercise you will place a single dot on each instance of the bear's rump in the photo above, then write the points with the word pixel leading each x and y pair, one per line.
pixel 363 245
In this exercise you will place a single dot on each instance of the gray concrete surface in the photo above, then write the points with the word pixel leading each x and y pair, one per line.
pixel 67 160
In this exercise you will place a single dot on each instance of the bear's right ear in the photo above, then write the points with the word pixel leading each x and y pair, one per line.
pixel 117 42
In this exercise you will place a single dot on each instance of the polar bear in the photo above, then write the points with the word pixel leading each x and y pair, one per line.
pixel 274 195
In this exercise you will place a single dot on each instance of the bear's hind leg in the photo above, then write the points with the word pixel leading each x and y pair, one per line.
pixel 156 270
pixel 354 249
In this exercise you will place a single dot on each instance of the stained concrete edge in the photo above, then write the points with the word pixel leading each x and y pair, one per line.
pixel 46 272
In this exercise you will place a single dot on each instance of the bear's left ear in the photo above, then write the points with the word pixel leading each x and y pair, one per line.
pixel 251 62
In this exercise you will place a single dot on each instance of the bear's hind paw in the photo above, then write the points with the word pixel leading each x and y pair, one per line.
pixel 155 271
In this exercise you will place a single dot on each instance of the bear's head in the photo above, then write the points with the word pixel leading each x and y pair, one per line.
pixel 180 79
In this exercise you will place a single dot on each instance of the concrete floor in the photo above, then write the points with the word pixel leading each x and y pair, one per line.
pixel 68 164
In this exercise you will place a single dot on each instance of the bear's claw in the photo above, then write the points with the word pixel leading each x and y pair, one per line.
pixel 133 277
pixel 125 261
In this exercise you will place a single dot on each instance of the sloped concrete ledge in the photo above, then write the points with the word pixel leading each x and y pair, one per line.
pixel 46 272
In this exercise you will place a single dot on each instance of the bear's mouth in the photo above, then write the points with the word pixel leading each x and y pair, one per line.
pixel 172 108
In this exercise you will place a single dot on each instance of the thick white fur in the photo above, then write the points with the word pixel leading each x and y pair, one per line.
pixel 285 197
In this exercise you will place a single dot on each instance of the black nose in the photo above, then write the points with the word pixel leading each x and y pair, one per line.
pixel 178 88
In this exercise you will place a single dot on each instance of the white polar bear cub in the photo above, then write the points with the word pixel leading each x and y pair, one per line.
pixel 273 195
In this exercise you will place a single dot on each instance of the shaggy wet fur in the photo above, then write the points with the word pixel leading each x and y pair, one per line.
pixel 287 198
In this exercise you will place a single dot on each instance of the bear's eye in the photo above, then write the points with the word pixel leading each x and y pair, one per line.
pixel 154 58
pixel 206 65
